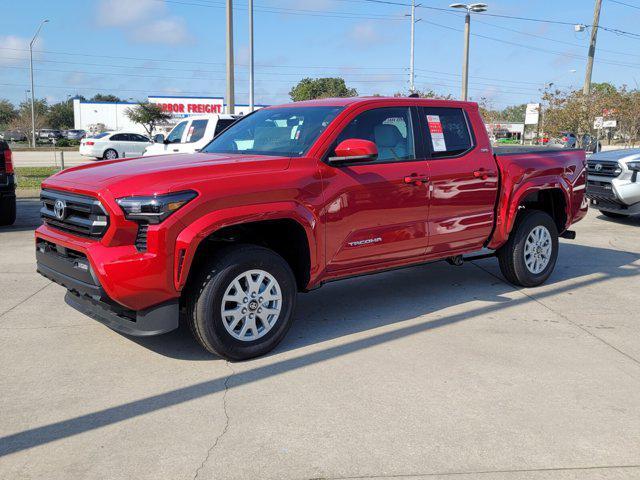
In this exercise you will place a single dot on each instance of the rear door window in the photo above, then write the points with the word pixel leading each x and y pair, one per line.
pixel 448 133
pixel 196 130
pixel 222 124
pixel 119 137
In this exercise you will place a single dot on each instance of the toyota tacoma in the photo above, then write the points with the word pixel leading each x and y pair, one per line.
pixel 294 196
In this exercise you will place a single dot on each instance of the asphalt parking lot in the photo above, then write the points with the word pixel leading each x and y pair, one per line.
pixel 431 372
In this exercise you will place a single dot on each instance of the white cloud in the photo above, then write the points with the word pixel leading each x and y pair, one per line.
pixel 365 34
pixel 15 50
pixel 120 13
pixel 143 21
pixel 169 31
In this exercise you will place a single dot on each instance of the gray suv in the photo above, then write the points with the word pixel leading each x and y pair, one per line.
pixel 613 185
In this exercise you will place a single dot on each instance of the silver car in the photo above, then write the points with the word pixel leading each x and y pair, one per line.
pixel 613 185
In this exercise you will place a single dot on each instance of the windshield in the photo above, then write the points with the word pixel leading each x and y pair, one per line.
pixel 288 131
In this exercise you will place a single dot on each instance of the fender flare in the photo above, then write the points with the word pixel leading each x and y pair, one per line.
pixel 507 216
pixel 189 238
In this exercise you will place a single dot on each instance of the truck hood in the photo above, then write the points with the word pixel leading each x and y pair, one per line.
pixel 160 174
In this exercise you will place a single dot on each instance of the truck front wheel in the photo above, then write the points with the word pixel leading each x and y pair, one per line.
pixel 7 210
pixel 529 256
pixel 241 304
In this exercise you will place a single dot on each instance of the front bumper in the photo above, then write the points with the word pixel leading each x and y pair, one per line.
pixel 607 195
pixel 72 270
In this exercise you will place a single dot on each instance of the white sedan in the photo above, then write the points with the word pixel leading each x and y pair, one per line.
pixel 112 145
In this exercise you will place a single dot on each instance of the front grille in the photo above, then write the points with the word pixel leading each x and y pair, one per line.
pixel 80 214
pixel 603 169
pixel 141 237
pixel 602 190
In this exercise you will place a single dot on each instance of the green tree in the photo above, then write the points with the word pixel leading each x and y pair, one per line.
pixel 7 113
pixel 311 88
pixel 513 113
pixel 149 115
pixel 22 121
pixel 60 115
pixel 101 97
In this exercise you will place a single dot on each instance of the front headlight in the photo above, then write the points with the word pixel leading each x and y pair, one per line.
pixel 635 168
pixel 154 209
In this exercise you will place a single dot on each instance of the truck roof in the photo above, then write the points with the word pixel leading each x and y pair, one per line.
pixel 348 101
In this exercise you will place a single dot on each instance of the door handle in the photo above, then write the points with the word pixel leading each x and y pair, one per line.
pixel 415 179
pixel 175 149
pixel 483 174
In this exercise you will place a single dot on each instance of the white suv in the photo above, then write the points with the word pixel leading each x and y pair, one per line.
pixel 112 145
pixel 190 135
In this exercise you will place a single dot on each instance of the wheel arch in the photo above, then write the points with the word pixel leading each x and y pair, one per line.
pixel 290 231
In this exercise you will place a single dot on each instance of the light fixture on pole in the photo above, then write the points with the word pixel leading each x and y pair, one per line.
pixel 470 8
pixel 33 98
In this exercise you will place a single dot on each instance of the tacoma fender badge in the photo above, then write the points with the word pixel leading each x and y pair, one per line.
pixel 367 241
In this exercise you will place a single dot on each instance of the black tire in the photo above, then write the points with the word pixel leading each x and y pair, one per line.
pixel 206 292
pixel 7 211
pixel 105 155
pixel 613 214
pixel 511 256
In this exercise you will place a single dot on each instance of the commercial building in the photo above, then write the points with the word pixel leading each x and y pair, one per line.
pixel 111 116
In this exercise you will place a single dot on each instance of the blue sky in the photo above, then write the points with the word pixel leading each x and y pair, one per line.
pixel 135 48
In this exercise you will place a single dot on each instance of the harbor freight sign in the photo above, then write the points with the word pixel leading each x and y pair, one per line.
pixel 181 107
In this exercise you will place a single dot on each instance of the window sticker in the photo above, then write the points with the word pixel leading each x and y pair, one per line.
pixel 437 135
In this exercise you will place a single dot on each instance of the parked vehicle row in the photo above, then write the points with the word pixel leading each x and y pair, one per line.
pixel 294 196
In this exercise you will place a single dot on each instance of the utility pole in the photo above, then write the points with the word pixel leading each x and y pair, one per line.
pixel 412 86
pixel 33 96
pixel 251 79
pixel 230 68
pixel 592 48
pixel 465 59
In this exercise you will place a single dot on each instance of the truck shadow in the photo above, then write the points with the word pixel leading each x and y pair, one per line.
pixel 634 220
pixel 362 304
pixel 353 307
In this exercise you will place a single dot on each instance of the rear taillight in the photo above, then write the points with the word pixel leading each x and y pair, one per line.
pixel 89 143
pixel 8 162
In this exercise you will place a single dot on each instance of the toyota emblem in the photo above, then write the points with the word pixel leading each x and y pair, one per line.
pixel 60 209
pixel 598 167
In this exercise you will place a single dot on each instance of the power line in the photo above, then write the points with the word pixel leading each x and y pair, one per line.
pixel 625 4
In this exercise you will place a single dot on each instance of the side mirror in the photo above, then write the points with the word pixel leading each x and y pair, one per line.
pixel 159 138
pixel 354 150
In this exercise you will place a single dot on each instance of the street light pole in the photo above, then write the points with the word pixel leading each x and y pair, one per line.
pixel 465 57
pixel 33 98
pixel 592 48
pixel 412 86
pixel 475 8
pixel 230 66
pixel 251 79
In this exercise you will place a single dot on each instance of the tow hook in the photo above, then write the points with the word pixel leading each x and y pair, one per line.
pixel 569 234
pixel 456 260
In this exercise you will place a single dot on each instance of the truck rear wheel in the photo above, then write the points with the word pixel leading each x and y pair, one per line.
pixel 529 256
pixel 241 304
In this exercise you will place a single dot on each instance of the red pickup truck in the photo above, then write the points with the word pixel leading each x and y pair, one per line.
pixel 291 197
